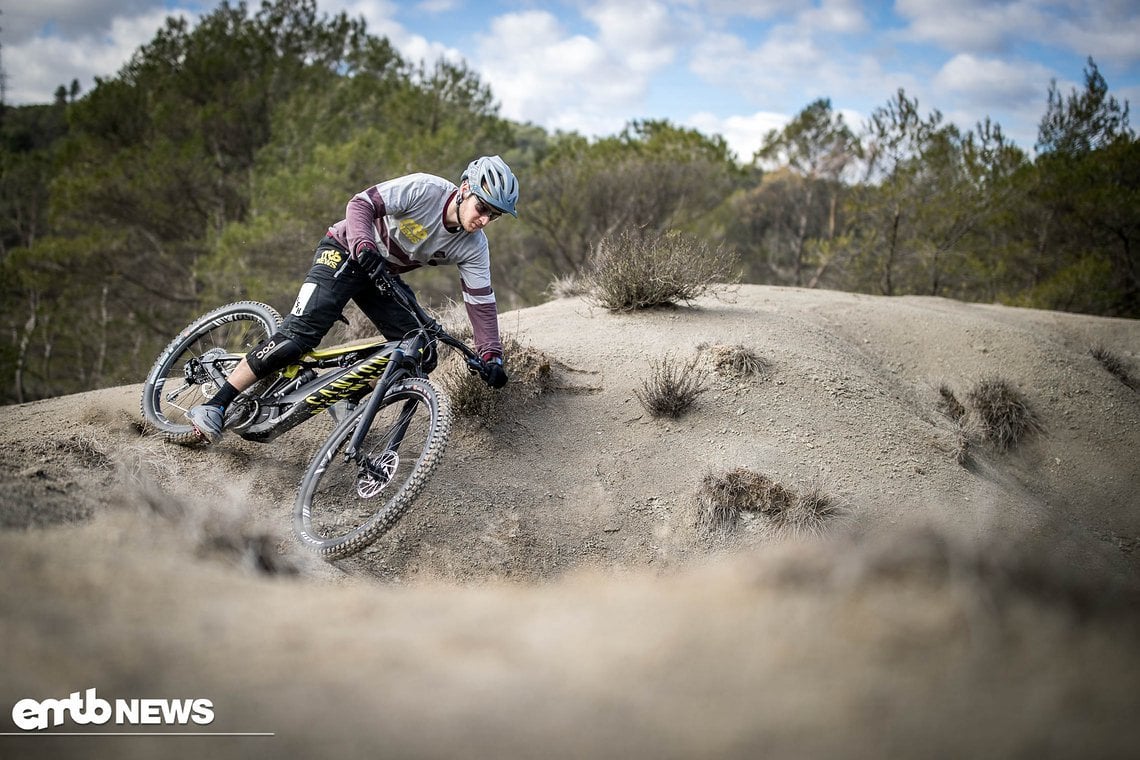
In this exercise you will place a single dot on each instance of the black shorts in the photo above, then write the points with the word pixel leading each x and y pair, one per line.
pixel 332 282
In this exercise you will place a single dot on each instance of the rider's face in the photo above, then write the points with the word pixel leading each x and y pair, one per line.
pixel 476 214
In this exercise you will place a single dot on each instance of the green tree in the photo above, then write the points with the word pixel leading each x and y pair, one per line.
pixel 816 147
pixel 897 136
pixel 651 178
pixel 1088 184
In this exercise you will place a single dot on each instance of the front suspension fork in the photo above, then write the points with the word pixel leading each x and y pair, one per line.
pixel 387 379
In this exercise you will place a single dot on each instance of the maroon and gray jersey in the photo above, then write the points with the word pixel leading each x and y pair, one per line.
pixel 403 217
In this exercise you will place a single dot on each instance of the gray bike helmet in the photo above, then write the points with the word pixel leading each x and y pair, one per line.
pixel 492 180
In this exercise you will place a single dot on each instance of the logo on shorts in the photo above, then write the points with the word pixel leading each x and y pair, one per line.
pixel 330 257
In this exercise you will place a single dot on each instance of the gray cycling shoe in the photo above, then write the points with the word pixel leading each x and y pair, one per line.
pixel 208 421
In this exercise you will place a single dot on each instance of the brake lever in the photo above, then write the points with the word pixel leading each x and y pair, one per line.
pixel 383 283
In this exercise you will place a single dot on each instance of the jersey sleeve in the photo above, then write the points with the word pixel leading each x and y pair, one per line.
pixel 363 216
pixel 482 310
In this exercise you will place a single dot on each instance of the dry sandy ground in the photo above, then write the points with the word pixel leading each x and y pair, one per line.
pixel 550 595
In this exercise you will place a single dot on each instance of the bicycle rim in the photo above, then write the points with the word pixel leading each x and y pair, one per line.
pixel 194 366
pixel 347 503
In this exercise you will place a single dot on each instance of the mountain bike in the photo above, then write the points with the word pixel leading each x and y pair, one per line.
pixel 391 423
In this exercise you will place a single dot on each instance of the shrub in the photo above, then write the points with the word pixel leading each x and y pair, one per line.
pixel 1003 412
pixel 808 515
pixel 641 271
pixel 722 498
pixel 1116 366
pixel 671 388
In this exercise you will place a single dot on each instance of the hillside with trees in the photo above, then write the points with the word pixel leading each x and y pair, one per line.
pixel 207 168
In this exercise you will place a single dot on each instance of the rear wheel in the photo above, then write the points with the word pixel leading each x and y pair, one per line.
pixel 195 364
pixel 347 503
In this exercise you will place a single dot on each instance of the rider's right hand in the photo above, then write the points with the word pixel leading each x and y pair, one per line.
pixel 372 262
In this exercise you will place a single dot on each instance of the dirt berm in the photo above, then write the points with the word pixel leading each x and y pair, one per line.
pixel 551 594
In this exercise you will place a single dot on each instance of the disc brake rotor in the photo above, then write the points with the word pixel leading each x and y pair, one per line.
pixel 376 473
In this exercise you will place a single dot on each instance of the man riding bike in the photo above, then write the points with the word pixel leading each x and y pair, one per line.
pixel 393 227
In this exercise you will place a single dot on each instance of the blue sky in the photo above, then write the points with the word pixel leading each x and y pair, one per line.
pixel 731 67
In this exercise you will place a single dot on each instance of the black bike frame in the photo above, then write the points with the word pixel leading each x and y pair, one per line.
pixel 383 365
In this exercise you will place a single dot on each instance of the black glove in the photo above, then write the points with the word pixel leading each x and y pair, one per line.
pixel 493 373
pixel 371 262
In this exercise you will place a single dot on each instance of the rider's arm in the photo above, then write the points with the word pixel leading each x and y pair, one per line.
pixel 363 216
pixel 484 316
pixel 479 298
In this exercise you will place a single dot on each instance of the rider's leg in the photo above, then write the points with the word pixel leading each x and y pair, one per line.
pixel 393 320
pixel 331 282
pixel 241 378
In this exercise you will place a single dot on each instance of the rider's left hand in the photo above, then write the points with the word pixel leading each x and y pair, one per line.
pixel 493 373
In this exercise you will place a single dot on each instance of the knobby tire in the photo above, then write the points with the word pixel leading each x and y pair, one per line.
pixel 331 516
pixel 232 330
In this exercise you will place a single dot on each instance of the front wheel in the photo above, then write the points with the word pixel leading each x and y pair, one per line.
pixel 346 503
pixel 197 362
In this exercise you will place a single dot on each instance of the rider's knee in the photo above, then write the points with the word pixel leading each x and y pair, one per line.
pixel 276 352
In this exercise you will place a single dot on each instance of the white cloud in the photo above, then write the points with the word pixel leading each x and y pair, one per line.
pixel 439 6
pixel 641 36
pixel 992 82
pixel 790 68
pixel 37 66
pixel 744 134
pixel 1108 31
pixel 544 74
pixel 769 70
pixel 838 16
pixel 379 17
pixel 757 9
pixel 972 25
pixel 70 19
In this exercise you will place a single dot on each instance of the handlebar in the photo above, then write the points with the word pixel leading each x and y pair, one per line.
pixel 387 284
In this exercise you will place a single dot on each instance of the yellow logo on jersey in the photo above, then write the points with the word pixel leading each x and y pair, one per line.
pixel 413 231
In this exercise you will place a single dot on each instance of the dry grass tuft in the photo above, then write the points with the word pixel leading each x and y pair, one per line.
pixel 949 404
pixel 1116 366
pixel 722 498
pixel 956 412
pixel 637 270
pixel 1003 412
pixel 86 445
pixel 568 286
pixel 671 388
pixel 962 447
pixel 738 361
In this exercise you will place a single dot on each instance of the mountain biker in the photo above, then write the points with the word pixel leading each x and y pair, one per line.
pixel 390 228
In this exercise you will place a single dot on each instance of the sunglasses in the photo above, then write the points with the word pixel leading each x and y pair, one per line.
pixel 482 209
